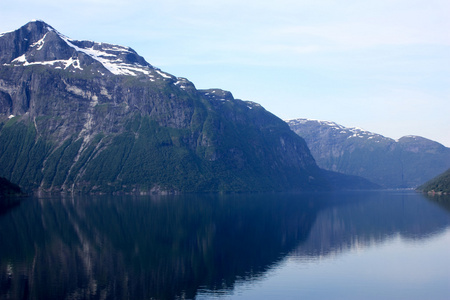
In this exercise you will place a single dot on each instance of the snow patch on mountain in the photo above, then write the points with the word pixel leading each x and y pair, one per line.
pixel 350 132
pixel 6 32
pixel 112 57
pixel 117 60
pixel 39 43
pixel 251 104
pixel 165 75
pixel 59 63
pixel 110 61
pixel 180 84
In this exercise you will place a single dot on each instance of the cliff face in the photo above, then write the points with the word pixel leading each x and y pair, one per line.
pixel 405 163
pixel 95 117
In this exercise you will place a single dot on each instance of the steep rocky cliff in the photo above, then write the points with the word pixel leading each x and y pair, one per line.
pixel 405 163
pixel 94 117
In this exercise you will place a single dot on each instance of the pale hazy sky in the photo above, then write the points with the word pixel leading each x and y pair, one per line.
pixel 381 65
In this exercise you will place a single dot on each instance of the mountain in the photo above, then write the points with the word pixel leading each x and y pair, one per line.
pixel 440 184
pixel 405 163
pixel 8 188
pixel 10 195
pixel 82 116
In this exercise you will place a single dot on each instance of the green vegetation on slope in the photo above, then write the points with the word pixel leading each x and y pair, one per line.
pixel 22 154
pixel 439 184
pixel 149 157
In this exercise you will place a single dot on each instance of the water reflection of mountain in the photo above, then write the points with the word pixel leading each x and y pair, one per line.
pixel 105 248
pixel 164 248
pixel 358 220
pixel 441 200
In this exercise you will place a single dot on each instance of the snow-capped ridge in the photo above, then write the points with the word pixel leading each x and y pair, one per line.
pixel 184 83
pixel 111 62
pixel 5 33
pixel 112 57
pixel 118 60
pixel 348 132
pixel 413 137
pixel 39 44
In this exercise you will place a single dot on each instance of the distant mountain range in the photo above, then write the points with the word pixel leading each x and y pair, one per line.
pixel 404 163
pixel 82 116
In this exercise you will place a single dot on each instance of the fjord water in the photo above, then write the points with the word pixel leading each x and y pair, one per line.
pixel 353 245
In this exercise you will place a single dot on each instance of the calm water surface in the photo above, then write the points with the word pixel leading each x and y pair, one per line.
pixel 356 245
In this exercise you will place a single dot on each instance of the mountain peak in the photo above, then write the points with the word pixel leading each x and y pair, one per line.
pixel 33 30
pixel 37 43
pixel 337 130
pixel 38 23
pixel 21 39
